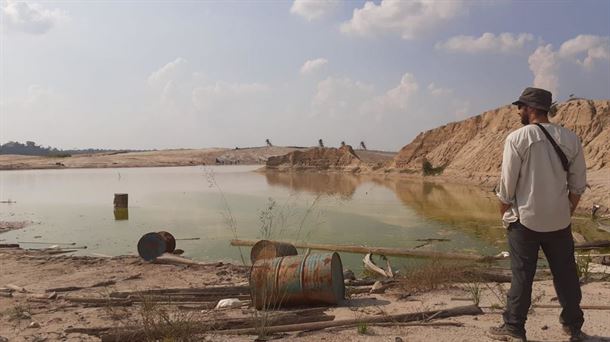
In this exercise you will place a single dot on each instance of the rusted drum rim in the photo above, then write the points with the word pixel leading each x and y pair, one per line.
pixel 169 240
pixel 280 248
pixel 151 246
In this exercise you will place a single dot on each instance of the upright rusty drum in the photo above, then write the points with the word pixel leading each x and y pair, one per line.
pixel 265 249
pixel 297 280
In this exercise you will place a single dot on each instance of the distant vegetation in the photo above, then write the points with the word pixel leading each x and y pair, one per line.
pixel 31 149
pixel 429 170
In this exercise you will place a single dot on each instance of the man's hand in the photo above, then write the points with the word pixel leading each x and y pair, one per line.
pixel 504 207
pixel 574 199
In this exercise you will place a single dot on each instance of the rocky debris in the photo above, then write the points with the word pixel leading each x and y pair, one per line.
pixel 317 159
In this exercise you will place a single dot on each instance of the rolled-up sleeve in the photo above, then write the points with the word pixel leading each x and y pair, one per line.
pixel 511 166
pixel 577 173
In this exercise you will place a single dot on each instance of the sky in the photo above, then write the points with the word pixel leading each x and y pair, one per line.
pixel 195 74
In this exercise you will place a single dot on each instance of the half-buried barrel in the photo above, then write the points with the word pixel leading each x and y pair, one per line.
pixel 265 249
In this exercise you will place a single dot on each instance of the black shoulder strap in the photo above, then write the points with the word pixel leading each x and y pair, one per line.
pixel 562 156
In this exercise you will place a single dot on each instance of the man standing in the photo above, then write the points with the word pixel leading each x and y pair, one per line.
pixel 543 177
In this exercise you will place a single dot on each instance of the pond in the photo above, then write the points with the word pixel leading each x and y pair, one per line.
pixel 219 203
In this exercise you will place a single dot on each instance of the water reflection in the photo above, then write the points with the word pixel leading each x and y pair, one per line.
pixel 332 184
pixel 121 214
pixel 467 208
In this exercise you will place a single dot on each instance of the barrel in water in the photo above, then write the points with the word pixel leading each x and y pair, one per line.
pixel 265 249
pixel 297 280
pixel 153 245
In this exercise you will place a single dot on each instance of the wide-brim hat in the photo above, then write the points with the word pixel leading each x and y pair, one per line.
pixel 535 98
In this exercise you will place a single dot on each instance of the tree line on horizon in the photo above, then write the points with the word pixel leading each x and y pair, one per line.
pixel 30 148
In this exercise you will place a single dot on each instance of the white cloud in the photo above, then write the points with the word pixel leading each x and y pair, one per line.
pixel 338 97
pixel 313 9
pixel 488 42
pixel 438 91
pixel 544 65
pixel 313 65
pixel 409 19
pixel 167 73
pixel 593 47
pixel 223 95
pixel 398 98
pixel 30 18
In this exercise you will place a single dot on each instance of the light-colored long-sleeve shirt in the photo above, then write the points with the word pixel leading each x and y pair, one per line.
pixel 533 180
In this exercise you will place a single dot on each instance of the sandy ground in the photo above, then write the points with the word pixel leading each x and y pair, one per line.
pixel 37 272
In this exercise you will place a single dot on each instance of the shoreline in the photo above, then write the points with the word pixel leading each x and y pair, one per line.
pixel 56 315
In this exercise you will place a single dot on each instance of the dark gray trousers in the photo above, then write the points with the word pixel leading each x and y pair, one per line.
pixel 558 247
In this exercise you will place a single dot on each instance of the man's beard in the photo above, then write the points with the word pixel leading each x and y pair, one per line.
pixel 525 120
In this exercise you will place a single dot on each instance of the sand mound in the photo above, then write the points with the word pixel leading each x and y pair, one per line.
pixel 471 150
pixel 474 146
pixel 317 158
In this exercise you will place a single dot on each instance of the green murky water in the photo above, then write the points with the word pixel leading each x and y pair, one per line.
pixel 76 205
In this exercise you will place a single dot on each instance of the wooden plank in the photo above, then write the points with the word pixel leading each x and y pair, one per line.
pixel 387 251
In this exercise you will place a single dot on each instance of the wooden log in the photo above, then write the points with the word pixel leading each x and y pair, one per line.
pixel 222 290
pixel 176 299
pixel 65 289
pixel 57 251
pixel 16 288
pixel 103 301
pixel 170 259
pixel 395 251
pixel 593 244
pixel 6 294
pixel 202 327
pixel 367 282
pixel 9 245
pixel 584 307
pixel 416 316
pixel 216 326
pixel 48 243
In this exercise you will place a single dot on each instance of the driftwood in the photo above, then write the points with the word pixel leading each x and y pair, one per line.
pixel 49 243
pixel 416 316
pixel 97 300
pixel 170 259
pixel 381 250
pixel 584 307
pixel 16 288
pixel 219 290
pixel 9 245
pixel 53 251
pixel 184 298
pixel 6 294
pixel 99 284
pixel 76 288
pixel 371 266
pixel 593 244
pixel 137 334
pixel 51 295
pixel 367 282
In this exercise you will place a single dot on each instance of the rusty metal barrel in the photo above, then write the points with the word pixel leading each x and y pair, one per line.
pixel 153 245
pixel 309 279
pixel 121 201
pixel 265 249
